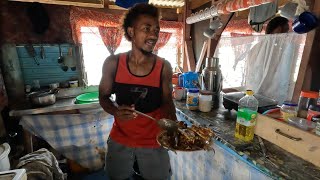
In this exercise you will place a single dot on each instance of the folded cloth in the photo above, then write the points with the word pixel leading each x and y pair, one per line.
pixel 41 164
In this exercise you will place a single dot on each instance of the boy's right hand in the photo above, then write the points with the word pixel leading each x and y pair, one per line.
pixel 125 113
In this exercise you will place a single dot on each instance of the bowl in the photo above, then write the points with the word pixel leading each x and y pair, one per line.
pixel 87 98
pixel 301 123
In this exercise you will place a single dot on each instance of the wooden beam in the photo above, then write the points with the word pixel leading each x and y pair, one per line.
pixel 194 4
pixel 310 53
pixel 83 3
pixel 201 57
pixel 189 55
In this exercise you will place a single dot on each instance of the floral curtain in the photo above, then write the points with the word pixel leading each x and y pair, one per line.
pixel 89 18
pixel 111 37
pixel 162 40
pixel 80 17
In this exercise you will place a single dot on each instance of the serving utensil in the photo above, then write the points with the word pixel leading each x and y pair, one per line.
pixel 165 124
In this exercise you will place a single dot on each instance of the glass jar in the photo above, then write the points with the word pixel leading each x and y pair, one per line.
pixel 205 101
pixel 306 99
pixel 192 99
pixel 289 109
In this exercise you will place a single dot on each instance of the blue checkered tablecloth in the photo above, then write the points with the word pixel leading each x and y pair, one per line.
pixel 223 164
pixel 79 137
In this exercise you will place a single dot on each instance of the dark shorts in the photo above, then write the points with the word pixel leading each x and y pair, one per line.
pixel 153 163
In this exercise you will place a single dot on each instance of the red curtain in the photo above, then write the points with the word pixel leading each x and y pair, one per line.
pixel 111 37
pixel 89 18
pixel 80 17
pixel 162 40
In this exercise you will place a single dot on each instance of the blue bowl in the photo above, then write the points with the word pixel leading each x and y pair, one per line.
pixel 305 23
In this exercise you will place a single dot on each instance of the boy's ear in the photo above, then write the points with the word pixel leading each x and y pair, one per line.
pixel 130 31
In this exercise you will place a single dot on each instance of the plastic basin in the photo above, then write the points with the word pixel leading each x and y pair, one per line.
pixel 87 98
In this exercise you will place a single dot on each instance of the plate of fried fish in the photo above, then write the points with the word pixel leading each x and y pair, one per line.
pixel 192 138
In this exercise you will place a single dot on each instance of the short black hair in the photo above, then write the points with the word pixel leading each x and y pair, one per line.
pixel 132 15
pixel 276 22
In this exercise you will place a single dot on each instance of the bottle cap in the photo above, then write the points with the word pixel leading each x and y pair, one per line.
pixel 288 103
pixel 309 94
pixel 193 90
pixel 249 92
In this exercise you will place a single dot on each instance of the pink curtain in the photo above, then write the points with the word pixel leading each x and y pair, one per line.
pixel 111 37
pixel 162 40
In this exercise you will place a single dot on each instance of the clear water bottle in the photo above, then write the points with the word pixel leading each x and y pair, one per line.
pixel 246 116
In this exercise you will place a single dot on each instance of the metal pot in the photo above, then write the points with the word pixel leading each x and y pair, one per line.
pixel 43 98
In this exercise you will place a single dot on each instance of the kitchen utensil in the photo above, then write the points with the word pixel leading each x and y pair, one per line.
pixel 32 53
pixel 42 53
pixel 60 58
pixel 43 98
pixel 209 33
pixel 64 68
pixel 216 24
pixel 166 124
pixel 69 60
pixel 54 85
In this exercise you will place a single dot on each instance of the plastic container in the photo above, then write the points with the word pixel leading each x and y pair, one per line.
pixel 302 123
pixel 189 80
pixel 4 159
pixel 288 109
pixel 205 101
pixel 73 84
pixel 306 99
pixel 192 99
pixel 246 117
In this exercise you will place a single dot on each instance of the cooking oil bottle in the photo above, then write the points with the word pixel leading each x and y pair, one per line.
pixel 246 117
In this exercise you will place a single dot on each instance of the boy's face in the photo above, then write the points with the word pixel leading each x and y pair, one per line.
pixel 144 33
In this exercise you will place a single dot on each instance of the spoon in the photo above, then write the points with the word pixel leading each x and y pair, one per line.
pixel 165 124
pixel 60 58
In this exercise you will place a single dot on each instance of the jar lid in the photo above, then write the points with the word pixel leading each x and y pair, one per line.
pixel 205 92
pixel 288 103
pixel 193 90
pixel 309 94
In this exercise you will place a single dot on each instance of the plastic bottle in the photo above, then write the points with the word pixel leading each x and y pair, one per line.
pixel 246 117
pixel 192 99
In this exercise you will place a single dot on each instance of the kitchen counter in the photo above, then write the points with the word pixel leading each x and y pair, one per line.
pixel 279 164
pixel 60 105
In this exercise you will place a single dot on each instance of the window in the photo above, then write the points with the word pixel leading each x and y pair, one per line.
pixel 95 52
pixel 267 64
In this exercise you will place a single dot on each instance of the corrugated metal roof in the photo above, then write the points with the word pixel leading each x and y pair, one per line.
pixel 165 3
